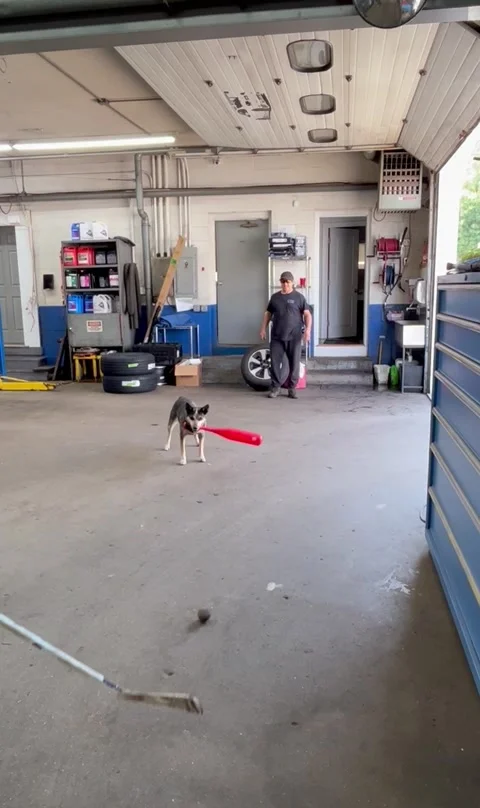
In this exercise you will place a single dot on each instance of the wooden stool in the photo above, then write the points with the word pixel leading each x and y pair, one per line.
pixel 80 366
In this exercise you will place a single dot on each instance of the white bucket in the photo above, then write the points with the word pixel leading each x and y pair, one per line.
pixel 380 373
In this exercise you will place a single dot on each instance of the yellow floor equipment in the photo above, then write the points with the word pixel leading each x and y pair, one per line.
pixel 22 385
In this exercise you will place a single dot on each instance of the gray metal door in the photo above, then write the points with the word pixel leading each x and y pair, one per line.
pixel 242 280
pixel 10 302
pixel 342 282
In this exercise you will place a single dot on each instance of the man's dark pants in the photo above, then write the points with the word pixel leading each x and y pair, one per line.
pixel 290 349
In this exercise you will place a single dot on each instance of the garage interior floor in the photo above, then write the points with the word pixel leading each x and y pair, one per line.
pixel 344 686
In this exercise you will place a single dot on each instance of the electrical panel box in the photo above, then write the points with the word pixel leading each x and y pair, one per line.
pixel 186 274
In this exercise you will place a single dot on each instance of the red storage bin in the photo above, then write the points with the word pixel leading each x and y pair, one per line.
pixel 69 257
pixel 85 256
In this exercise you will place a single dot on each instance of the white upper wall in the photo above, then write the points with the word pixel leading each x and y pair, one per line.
pixel 50 222
pixel 111 172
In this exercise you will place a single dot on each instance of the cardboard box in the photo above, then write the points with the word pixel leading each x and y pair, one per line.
pixel 99 231
pixel 188 373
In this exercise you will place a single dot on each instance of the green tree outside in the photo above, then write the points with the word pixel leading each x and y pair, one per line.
pixel 469 221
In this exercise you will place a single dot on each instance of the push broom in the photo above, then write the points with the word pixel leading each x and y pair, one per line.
pixel 179 701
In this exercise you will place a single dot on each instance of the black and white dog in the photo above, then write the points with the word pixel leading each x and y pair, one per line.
pixel 190 419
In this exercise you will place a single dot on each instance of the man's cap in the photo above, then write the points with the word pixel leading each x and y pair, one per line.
pixel 286 276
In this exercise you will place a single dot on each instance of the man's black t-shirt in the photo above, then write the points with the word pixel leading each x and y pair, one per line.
pixel 287 315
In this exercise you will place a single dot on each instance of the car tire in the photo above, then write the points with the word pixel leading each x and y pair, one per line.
pixel 164 352
pixel 145 383
pixel 255 367
pixel 127 364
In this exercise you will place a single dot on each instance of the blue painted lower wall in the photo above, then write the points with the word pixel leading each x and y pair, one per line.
pixel 53 326
pixel 378 327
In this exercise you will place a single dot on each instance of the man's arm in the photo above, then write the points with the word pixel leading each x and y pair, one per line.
pixel 307 319
pixel 263 330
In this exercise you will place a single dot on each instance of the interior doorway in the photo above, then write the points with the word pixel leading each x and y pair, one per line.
pixel 10 302
pixel 342 281
pixel 241 248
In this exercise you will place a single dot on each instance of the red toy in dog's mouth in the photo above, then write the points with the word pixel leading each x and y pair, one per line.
pixel 238 435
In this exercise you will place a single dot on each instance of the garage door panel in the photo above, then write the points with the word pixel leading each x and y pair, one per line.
pixel 243 93
pixel 442 144
pixel 446 104
pixel 455 96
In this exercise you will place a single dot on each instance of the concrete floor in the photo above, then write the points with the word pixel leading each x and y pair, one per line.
pixel 345 687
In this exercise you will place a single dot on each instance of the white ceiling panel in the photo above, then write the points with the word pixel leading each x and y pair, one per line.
pixel 242 92
pixel 55 95
pixel 446 104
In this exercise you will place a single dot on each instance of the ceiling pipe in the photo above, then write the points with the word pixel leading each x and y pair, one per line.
pixel 147 266
pixel 241 190
pixel 196 151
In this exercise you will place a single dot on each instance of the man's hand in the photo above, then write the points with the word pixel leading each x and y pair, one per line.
pixel 263 334
pixel 306 337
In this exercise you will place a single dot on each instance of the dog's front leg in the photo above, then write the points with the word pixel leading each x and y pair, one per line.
pixel 171 427
pixel 201 444
pixel 183 448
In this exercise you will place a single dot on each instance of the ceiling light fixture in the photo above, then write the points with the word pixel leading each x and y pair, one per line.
pixel 310 55
pixel 89 144
pixel 5 147
pixel 323 135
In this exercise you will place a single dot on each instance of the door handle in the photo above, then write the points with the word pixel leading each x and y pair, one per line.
pixel 219 283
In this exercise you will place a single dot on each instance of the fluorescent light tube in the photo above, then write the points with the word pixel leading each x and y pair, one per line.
pixel 88 144
pixel 5 147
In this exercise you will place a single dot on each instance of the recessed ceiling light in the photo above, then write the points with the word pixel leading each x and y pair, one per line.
pixel 318 104
pixel 89 144
pixel 323 135
pixel 310 55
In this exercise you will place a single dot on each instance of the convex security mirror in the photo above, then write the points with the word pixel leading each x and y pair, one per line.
pixel 388 13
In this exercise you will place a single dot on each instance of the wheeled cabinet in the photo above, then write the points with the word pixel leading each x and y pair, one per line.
pixel 453 499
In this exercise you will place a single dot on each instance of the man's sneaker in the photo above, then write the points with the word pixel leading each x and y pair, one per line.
pixel 274 393
pixel 292 394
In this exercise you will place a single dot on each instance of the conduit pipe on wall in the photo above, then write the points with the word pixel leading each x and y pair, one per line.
pixel 156 236
pixel 147 266
pixel 166 206
pixel 184 199
pixel 188 207
pixel 159 212
pixel 149 193
pixel 181 225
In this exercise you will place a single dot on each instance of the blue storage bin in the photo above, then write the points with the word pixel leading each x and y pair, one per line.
pixel 75 304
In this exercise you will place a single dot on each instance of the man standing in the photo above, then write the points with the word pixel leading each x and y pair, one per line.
pixel 288 310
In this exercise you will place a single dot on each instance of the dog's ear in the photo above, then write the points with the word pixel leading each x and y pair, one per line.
pixel 189 409
pixel 204 410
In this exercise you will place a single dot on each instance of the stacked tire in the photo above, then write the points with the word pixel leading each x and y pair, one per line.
pixel 130 373
pixel 166 354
